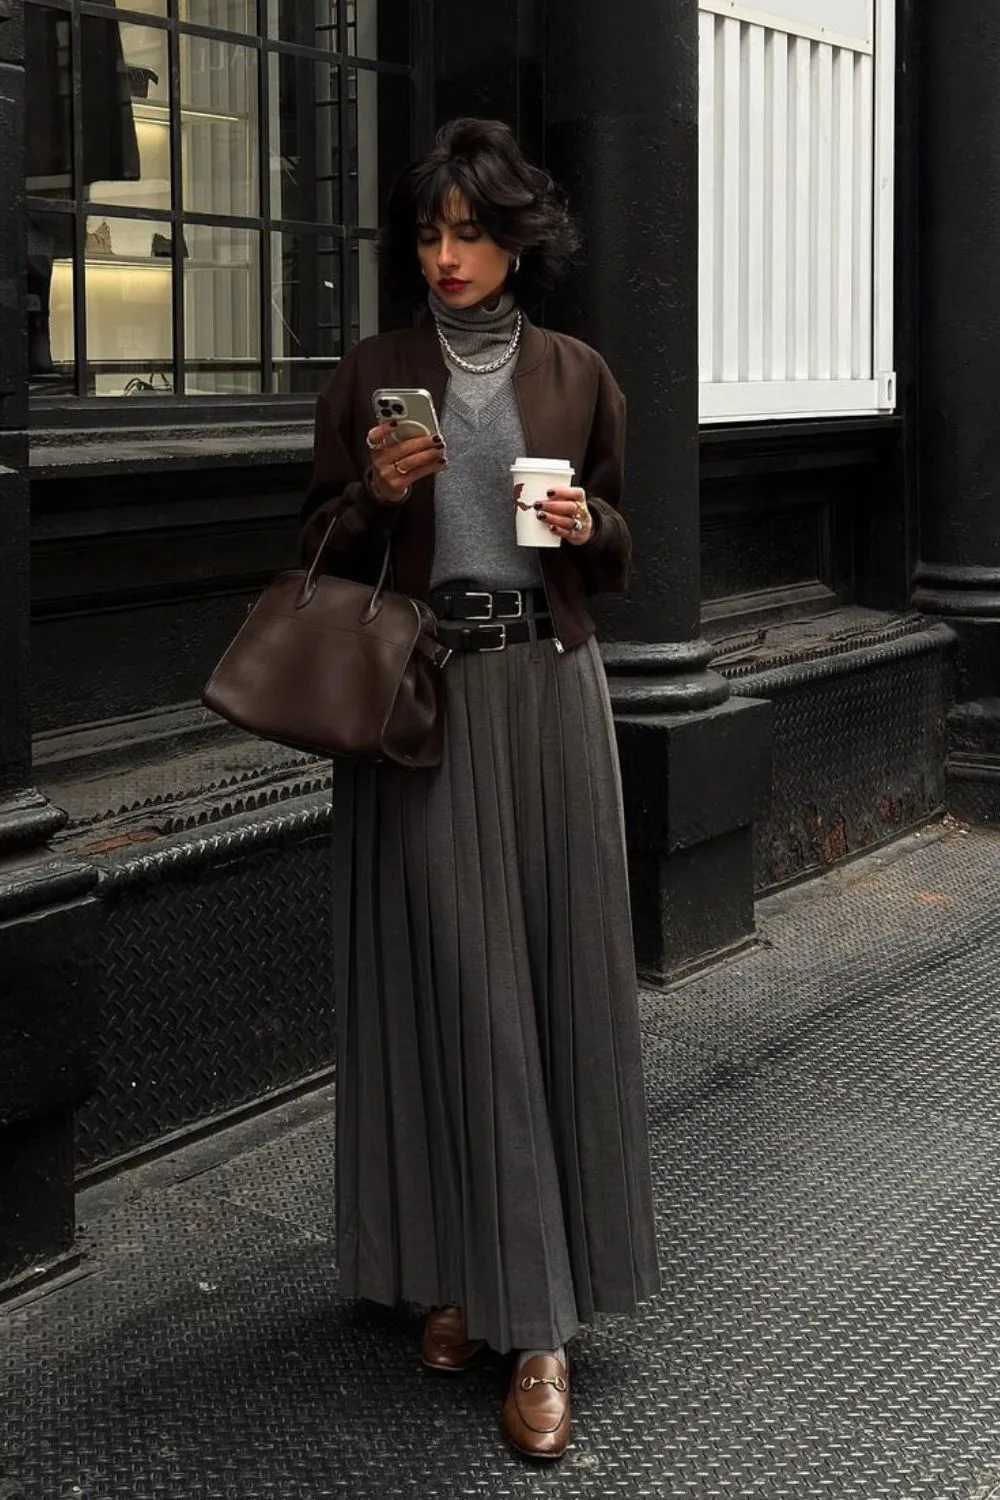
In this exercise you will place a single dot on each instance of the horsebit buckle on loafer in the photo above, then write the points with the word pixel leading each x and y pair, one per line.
pixel 529 1382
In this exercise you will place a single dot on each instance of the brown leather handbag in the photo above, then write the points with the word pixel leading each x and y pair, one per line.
pixel 336 668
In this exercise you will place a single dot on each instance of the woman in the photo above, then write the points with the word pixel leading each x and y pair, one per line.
pixel 492 1159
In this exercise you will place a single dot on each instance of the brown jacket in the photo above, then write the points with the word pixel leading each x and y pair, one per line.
pixel 570 407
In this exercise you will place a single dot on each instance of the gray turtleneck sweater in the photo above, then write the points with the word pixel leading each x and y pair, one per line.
pixel 473 507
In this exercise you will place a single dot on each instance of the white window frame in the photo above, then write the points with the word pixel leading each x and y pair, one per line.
pixel 746 400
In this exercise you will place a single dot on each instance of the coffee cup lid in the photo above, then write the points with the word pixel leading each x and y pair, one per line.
pixel 541 465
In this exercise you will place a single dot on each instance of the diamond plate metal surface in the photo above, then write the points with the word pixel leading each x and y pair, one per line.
pixel 858 757
pixel 214 987
pixel 825 1117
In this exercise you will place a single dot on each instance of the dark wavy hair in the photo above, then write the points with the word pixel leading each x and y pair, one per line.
pixel 516 203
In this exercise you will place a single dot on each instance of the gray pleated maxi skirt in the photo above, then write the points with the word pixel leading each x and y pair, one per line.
pixel 491 1128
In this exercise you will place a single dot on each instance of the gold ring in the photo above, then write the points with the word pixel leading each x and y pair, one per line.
pixel 401 472
pixel 581 510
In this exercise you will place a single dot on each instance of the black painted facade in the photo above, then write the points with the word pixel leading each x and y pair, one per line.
pixel 163 884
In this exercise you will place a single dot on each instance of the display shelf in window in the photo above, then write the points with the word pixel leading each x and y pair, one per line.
pixel 137 264
pixel 159 114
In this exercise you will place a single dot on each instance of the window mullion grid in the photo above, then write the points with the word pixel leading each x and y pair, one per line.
pixel 177 208
pixel 80 219
pixel 98 210
pixel 347 232
pixel 266 207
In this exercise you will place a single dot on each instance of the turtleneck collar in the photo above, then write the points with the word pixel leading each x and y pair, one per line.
pixel 479 334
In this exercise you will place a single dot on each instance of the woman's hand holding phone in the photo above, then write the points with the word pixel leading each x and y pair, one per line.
pixel 397 463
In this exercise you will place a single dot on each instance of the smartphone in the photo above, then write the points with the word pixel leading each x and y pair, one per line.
pixel 412 410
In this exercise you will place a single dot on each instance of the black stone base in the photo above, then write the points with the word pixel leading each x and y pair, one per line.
pixel 973 768
pixel 37 1222
pixel 693 907
pixel 860 701
pixel 969 597
pixel 977 659
pixel 693 785
pixel 48 939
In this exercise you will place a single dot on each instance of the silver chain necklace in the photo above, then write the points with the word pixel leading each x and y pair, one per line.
pixel 495 364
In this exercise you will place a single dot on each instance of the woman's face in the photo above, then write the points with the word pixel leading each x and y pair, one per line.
pixel 459 259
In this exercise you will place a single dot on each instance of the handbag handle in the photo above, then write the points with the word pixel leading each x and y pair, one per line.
pixel 309 583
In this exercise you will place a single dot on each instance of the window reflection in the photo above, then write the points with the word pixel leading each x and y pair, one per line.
pixel 49 245
pixel 147 208
pixel 379 29
pixel 129 294
pixel 219 126
pixel 305 306
pixel 308 23
pixel 109 153
pixel 305 133
pixel 48 135
pixel 224 15
pixel 221 310
pixel 147 76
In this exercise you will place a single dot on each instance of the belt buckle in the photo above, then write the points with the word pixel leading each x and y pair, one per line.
pixel 489 601
pixel 516 594
pixel 499 625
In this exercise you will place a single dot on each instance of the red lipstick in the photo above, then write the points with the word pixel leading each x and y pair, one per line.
pixel 452 284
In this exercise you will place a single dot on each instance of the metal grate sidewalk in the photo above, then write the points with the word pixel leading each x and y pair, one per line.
pixel 826 1133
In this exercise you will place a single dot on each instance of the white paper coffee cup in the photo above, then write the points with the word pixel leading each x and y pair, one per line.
pixel 532 478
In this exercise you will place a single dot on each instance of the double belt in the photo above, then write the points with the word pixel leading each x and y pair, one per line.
pixel 483 607
pixel 495 637
pixel 477 620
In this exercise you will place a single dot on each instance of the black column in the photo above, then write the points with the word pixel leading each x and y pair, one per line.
pixel 622 136
pixel 46 916
pixel 959 573
pixel 487 61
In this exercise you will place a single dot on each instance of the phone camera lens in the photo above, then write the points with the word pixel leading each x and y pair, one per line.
pixel 398 409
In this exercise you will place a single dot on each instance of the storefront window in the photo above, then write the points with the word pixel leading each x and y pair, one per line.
pixel 203 188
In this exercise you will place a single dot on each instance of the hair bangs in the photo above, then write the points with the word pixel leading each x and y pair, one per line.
pixel 517 204
pixel 436 190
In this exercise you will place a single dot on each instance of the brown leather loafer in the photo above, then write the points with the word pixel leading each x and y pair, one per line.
pixel 446 1344
pixel 536 1412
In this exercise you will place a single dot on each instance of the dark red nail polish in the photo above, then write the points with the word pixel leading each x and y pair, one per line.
pixel 438 442
pixel 550 493
pixel 393 422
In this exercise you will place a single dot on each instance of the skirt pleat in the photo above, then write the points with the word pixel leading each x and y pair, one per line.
pixel 491 1147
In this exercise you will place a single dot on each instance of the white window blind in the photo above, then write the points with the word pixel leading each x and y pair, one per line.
pixel 796 209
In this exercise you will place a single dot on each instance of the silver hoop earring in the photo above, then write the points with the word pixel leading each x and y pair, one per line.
pixel 516 265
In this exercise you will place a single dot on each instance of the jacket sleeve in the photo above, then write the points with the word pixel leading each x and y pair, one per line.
pixel 356 548
pixel 606 560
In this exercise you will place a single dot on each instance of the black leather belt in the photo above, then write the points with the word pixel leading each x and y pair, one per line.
pixel 492 637
pixel 480 606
